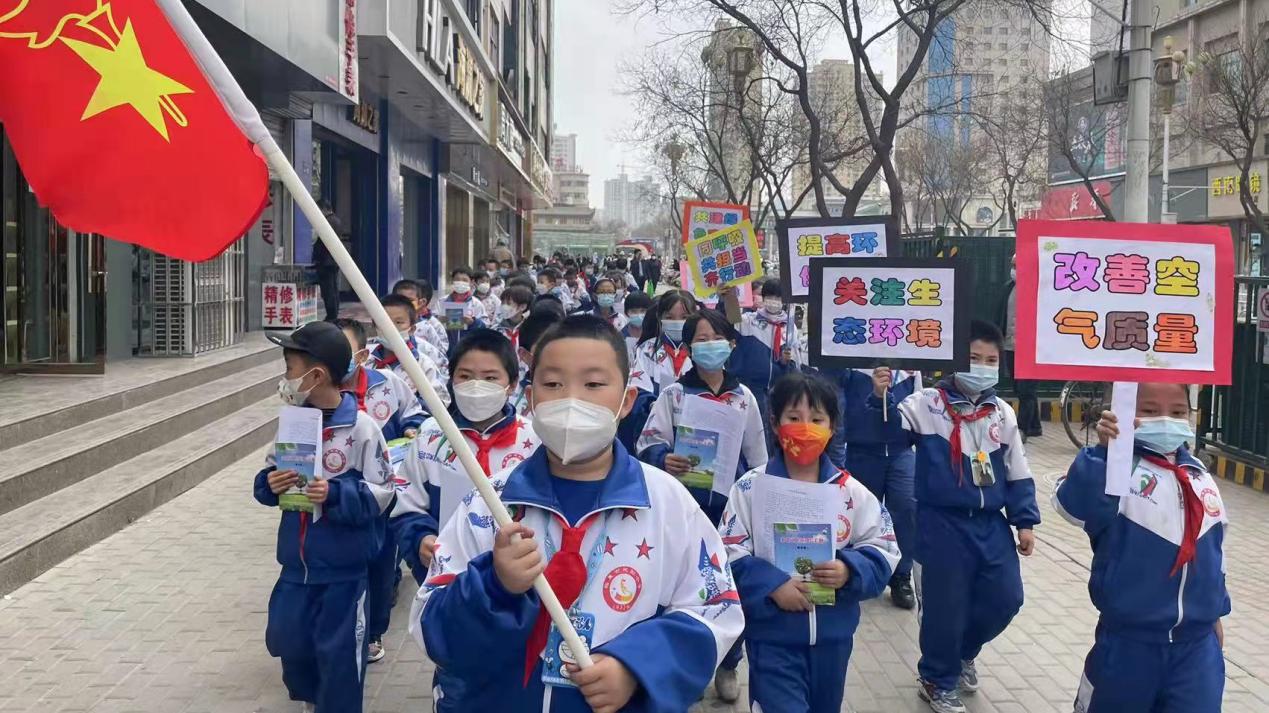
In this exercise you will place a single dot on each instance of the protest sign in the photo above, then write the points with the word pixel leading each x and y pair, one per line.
pixel 728 257
pixel 910 313
pixel 805 240
pixel 700 218
pixel 1124 302
pixel 744 293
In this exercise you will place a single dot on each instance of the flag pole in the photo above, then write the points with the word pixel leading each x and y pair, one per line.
pixel 387 333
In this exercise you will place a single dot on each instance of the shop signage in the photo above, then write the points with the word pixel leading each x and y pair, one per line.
pixel 510 140
pixel 539 172
pixel 348 77
pixel 1231 185
pixel 478 178
pixel 450 56
pixel 366 116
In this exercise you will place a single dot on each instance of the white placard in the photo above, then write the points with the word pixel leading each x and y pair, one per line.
pixel 1123 401
pixel 729 425
pixel 809 242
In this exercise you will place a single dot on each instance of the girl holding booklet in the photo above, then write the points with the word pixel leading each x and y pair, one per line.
pixel 800 582
pixel 706 430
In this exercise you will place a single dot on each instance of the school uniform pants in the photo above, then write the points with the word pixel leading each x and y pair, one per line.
pixel 319 632
pixel 1122 674
pixel 1028 401
pixel 891 478
pixel 381 576
pixel 792 678
pixel 969 587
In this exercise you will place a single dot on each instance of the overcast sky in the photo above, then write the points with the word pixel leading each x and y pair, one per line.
pixel 590 44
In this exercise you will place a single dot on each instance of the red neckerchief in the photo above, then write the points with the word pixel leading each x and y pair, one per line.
pixel 954 440
pixel 678 355
pixel 500 438
pixel 453 297
pixel 390 358
pixel 425 313
pixel 566 573
pixel 1193 512
pixel 359 388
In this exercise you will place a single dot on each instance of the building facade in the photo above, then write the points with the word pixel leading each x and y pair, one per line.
pixel 564 152
pixel 423 125
pixel 831 85
pixel 733 61
pixel 633 203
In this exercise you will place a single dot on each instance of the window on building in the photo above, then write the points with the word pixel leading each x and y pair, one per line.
pixel 985 46
pixel 1265 148
pixel 1025 62
pixel 1002 62
pixel 1026 32
pixel 475 9
pixel 1002 46
pixel 986 30
pixel 495 38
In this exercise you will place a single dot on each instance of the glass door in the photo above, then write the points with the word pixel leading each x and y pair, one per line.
pixel 52 287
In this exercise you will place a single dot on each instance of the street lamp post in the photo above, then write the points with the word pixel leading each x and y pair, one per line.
pixel 674 151
pixel 1167 72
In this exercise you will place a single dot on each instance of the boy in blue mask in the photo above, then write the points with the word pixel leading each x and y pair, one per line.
pixel 972 485
pixel 769 346
pixel 606 303
pixel 635 306
pixel 624 547
pixel 1158 578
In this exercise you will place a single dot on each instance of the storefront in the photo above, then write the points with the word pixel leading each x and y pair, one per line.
pixel 1224 206
pixel 52 285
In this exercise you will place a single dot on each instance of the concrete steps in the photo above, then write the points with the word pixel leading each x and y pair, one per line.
pixel 78 481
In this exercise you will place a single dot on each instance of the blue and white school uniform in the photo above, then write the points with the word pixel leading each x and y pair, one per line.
pixel 395 409
pixel 492 305
pixel 435 481
pixel 317 616
pixel 659 594
pixel 878 452
pixel 756 360
pixel 632 342
pixel 659 363
pixel 431 330
pixel 798 660
pixel 386 359
pixel 656 441
pixel 474 310
pixel 614 317
pixel 967 557
pixel 1156 646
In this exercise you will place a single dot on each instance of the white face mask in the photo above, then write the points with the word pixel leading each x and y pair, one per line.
pixel 575 430
pixel 460 288
pixel 479 400
pixel 773 305
pixel 482 288
pixel 289 390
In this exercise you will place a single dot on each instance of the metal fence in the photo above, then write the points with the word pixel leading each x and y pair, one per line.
pixel 186 309
pixel 1236 418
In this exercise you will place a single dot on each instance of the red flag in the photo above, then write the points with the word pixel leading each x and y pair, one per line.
pixel 119 131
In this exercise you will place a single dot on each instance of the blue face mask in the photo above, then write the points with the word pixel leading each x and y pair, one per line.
pixel 978 379
pixel 606 300
pixel 673 328
pixel 352 366
pixel 1164 434
pixel 636 320
pixel 711 356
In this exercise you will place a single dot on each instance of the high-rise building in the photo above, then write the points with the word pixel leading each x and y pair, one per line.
pixel 572 187
pixel 734 61
pixel 832 93
pixel 634 203
pixel 564 152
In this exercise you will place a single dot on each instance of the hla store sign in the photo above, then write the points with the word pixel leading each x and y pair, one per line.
pixel 451 56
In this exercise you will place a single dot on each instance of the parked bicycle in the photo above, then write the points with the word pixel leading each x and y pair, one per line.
pixel 1082 403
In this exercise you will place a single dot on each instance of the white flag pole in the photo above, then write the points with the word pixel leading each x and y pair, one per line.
pixel 248 118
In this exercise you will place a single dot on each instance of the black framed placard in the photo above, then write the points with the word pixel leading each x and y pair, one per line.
pixel 907 313
pixel 803 241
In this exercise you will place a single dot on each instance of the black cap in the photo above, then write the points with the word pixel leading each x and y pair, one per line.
pixel 324 342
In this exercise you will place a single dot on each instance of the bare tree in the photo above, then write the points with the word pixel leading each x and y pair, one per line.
pixel 789 30
pixel 946 175
pixel 1229 110
pixel 1016 142
pixel 1080 133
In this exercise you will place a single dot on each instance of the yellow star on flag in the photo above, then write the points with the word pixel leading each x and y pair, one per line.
pixel 125 79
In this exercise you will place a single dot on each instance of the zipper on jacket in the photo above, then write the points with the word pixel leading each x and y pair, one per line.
pixel 814 627
pixel 303 532
pixel 1180 600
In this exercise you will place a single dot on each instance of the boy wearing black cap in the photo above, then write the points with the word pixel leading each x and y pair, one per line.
pixel 317 620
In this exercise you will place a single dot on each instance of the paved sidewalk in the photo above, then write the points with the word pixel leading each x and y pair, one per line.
pixel 168 616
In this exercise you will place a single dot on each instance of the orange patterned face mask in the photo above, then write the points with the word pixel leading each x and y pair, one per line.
pixel 803 442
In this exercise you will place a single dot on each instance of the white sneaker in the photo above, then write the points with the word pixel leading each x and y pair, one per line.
pixel 306 707
pixel 375 651
pixel 968 682
pixel 727 685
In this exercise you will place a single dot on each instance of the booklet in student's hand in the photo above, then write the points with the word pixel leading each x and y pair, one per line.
pixel 296 448
pixel 798 548
pixel 700 448
pixel 454 312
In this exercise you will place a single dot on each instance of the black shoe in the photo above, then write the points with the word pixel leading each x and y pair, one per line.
pixel 901 594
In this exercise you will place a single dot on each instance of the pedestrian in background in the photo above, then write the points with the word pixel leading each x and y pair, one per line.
pixel 326 267
pixel 1025 389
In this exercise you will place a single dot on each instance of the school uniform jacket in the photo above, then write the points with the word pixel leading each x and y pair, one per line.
pixel 861 426
pixel 756 358
pixel 632 341
pixel 657 439
pixel 865 543
pixel 1135 540
pixel 431 330
pixel 418 511
pixel 663 598
pixel 387 399
pixel 339 545
pixel 938 483
pixel 385 359
pixel 615 318
pixel 492 306
pixel 659 363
